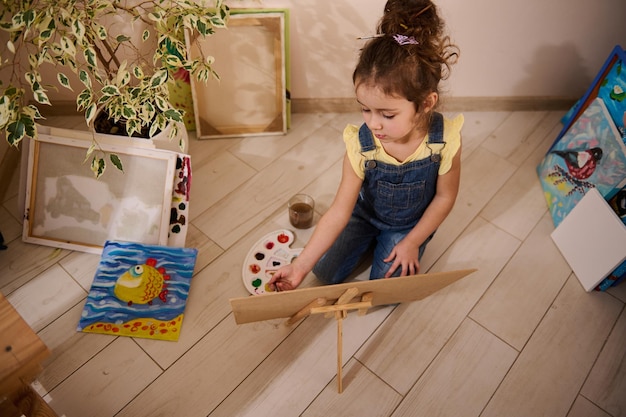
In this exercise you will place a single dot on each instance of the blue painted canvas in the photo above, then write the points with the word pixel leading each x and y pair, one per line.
pixel 590 155
pixel 139 290
pixel 609 85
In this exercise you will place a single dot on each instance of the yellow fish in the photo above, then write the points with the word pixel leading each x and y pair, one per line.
pixel 142 283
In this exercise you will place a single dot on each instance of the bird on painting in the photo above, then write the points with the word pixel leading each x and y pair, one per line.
pixel 581 164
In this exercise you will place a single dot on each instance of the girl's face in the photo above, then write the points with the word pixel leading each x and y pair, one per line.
pixel 390 118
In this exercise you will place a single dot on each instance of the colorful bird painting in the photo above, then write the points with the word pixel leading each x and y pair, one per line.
pixel 581 164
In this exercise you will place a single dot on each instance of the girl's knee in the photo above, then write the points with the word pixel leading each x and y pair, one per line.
pixel 326 276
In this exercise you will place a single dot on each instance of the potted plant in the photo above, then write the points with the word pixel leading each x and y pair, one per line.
pixel 77 40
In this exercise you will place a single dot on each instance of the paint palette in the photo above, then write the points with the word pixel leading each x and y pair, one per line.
pixel 267 255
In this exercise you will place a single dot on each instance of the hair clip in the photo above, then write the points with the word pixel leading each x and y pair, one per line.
pixel 362 38
pixel 405 40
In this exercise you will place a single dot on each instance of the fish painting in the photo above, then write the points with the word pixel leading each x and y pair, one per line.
pixel 139 290
pixel 142 283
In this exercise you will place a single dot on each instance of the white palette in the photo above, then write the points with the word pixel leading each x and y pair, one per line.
pixel 266 256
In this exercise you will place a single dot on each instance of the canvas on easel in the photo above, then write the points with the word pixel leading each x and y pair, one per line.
pixel 336 300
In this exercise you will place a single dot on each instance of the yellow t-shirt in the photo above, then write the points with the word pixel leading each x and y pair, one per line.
pixel 451 137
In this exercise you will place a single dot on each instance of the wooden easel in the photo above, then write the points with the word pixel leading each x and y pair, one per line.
pixel 339 311
pixel 336 300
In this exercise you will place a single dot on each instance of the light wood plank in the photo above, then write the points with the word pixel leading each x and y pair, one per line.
pixel 106 383
pixel 541 134
pixel 82 267
pixel 324 188
pixel 365 395
pixel 213 181
pixel 207 249
pixel 46 297
pixel 203 152
pixel 519 298
pixel 606 383
pixel 545 380
pixel 70 349
pixel 239 212
pixel 25 261
pixel 510 136
pixel 482 175
pixel 519 205
pixel 403 347
pixel 462 378
pixel 209 371
pixel 618 291
pixel 477 128
pixel 584 408
pixel 299 368
pixel 259 152
pixel 11 229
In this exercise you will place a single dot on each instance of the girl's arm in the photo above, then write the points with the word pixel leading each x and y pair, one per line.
pixel 326 232
pixel 405 253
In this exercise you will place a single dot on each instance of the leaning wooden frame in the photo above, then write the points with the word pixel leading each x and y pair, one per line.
pixel 66 207
pixel 250 98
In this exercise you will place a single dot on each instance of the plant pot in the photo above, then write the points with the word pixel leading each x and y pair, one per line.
pixel 104 127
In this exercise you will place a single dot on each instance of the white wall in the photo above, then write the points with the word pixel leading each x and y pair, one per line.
pixel 509 48
pixel 523 48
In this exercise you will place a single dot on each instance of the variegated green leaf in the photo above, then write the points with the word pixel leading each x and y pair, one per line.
pixel 98 166
pixel 110 90
pixel 159 78
pixel 90 56
pixel 174 114
pixel 84 99
pixel 90 113
pixel 41 97
pixel 64 81
pixel 91 148
pixel 116 161
pixel 84 77
pixel 138 72
pixel 78 29
pixel 15 132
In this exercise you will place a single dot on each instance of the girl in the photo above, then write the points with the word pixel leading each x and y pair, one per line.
pixel 401 169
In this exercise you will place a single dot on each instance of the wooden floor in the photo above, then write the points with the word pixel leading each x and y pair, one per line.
pixel 520 337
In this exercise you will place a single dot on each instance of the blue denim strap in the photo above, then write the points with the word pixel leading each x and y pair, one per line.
pixel 435 132
pixel 366 139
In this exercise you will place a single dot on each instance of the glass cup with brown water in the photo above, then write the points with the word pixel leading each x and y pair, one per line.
pixel 301 212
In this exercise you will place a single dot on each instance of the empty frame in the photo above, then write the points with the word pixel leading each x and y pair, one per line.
pixel 66 207
pixel 251 96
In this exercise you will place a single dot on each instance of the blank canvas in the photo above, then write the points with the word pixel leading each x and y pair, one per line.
pixel 592 239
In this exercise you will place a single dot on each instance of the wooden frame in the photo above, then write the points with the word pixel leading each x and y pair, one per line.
pixel 336 300
pixel 66 207
pixel 617 55
pixel 385 291
pixel 251 96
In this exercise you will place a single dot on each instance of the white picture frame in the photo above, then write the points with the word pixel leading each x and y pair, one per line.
pixel 67 207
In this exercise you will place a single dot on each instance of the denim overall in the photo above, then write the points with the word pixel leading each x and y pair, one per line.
pixel 392 200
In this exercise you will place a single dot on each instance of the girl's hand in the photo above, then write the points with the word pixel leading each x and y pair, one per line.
pixel 287 278
pixel 406 256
